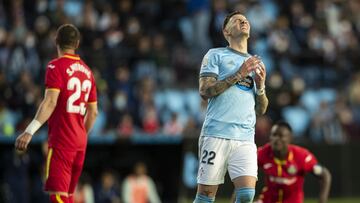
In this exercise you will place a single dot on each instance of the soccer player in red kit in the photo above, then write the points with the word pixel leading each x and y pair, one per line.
pixel 70 107
pixel 285 166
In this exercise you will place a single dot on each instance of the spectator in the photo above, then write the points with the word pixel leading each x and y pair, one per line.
pixel 84 192
pixel 107 191
pixel 173 126
pixel 139 187
pixel 126 126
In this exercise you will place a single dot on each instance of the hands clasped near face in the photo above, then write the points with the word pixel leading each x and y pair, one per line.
pixel 255 64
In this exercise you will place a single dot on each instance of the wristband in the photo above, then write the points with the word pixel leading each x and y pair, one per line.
pixel 33 127
pixel 260 91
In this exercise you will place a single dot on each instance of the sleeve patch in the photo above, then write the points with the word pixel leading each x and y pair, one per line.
pixel 51 66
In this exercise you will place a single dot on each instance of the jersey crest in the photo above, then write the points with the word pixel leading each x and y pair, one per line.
pixel 246 84
pixel 292 169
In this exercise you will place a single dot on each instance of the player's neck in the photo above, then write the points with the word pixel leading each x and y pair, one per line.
pixel 65 51
pixel 282 155
pixel 239 45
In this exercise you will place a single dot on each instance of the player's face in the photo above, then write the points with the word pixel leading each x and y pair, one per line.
pixel 280 137
pixel 238 25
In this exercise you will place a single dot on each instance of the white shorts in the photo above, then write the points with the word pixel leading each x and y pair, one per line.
pixel 217 155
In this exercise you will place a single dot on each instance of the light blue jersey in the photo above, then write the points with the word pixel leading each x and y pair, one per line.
pixel 231 114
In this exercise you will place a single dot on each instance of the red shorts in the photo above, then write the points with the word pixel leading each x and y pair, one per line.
pixel 63 169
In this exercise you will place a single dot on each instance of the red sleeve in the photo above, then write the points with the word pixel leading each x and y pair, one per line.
pixel 52 77
pixel 309 161
pixel 93 93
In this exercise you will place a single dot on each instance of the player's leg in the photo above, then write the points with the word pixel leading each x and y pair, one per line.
pixel 212 167
pixel 58 174
pixel 76 173
pixel 205 193
pixel 243 170
pixel 244 189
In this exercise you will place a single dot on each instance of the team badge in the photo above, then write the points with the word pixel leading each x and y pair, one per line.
pixel 246 83
pixel 292 170
pixel 205 61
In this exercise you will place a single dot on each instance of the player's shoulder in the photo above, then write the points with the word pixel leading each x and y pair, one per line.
pixel 53 63
pixel 264 154
pixel 298 148
pixel 216 51
pixel 85 65
pixel 265 149
pixel 299 151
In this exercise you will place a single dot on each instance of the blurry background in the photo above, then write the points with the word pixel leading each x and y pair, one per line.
pixel 146 57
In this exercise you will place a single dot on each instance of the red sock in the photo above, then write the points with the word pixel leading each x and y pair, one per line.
pixel 56 198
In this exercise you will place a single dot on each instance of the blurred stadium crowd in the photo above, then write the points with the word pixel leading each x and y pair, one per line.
pixel 146 56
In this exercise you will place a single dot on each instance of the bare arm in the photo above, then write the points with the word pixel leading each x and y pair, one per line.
pixel 90 117
pixel 43 113
pixel 211 87
pixel 325 184
pixel 262 101
pixel 47 106
pixel 261 104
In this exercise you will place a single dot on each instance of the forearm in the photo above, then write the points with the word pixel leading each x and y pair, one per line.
pixel 211 88
pixel 89 121
pixel 43 113
pixel 325 183
pixel 261 104
pixel 45 110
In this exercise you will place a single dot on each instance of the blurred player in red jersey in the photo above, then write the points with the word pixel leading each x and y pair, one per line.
pixel 285 166
pixel 70 107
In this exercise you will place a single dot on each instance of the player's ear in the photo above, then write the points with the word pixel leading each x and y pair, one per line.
pixel 226 34
pixel 77 44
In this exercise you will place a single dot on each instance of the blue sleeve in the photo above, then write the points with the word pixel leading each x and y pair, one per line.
pixel 210 65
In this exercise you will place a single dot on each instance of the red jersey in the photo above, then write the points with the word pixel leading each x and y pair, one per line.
pixel 75 81
pixel 284 179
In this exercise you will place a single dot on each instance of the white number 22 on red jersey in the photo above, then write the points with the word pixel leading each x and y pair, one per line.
pixel 75 84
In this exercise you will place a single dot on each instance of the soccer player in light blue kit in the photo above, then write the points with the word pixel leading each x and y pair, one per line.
pixel 233 82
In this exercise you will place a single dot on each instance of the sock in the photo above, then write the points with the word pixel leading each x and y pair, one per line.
pixel 245 195
pixel 56 198
pixel 203 199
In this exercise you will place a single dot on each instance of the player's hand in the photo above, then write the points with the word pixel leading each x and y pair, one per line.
pixel 260 75
pixel 248 66
pixel 22 141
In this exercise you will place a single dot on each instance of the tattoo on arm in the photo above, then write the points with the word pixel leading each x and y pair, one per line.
pixel 210 87
pixel 261 104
